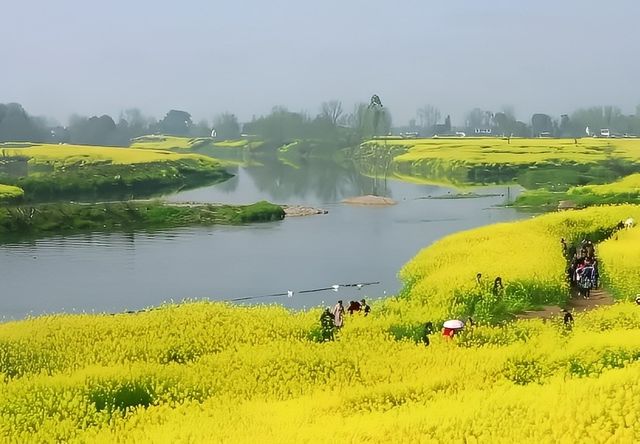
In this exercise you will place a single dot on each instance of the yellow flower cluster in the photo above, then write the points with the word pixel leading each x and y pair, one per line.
pixel 9 192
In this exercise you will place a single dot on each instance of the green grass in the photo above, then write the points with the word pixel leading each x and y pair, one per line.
pixel 57 218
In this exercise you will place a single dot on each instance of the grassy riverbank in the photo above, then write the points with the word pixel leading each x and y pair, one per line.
pixel 63 218
pixel 10 193
pixel 50 172
pixel 625 190
pixel 193 372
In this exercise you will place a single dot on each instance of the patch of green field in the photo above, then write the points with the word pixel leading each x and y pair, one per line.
pixel 10 193
pixel 58 218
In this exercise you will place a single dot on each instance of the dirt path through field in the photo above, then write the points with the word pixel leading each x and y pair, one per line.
pixel 599 297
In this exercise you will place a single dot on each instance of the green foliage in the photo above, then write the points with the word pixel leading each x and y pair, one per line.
pixel 129 215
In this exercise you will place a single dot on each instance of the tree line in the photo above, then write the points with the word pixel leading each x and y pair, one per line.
pixel 332 124
pixel 580 123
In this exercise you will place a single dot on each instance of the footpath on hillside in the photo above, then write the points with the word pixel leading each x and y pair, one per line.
pixel 599 297
pixel 586 291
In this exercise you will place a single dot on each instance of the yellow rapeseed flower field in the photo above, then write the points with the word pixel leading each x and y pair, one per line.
pixel 212 372
pixel 65 155
pixel 628 186
pixel 515 151
pixel 534 163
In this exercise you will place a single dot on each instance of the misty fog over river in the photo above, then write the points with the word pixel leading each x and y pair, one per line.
pixel 120 271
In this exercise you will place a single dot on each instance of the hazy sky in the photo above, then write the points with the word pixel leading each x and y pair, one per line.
pixel 94 57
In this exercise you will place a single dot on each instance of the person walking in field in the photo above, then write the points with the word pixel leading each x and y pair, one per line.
pixel 326 324
pixel 567 318
pixel 497 285
pixel 338 314
pixel 428 329
pixel 366 309
pixel 353 307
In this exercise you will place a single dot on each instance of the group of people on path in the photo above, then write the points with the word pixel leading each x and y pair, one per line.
pixel 332 319
pixel 582 272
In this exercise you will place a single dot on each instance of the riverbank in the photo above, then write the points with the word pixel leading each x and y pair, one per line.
pixel 119 216
pixel 625 190
pixel 551 170
pixel 54 172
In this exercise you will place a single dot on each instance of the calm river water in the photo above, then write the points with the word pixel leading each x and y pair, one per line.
pixel 114 272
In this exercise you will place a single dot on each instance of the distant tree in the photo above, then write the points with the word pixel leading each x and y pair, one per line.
pixel 504 123
pixel 478 118
pixel 93 131
pixel 176 123
pixel 331 111
pixel 17 126
pixel 428 117
pixel 226 126
pixel 541 123
pixel 280 126
pixel 200 129
pixel 521 129
pixel 565 128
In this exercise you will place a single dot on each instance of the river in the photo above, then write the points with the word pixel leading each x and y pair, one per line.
pixel 114 272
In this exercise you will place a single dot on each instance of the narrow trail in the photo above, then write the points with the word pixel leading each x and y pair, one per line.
pixel 577 304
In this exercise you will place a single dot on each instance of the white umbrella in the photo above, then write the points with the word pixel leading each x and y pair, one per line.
pixel 454 324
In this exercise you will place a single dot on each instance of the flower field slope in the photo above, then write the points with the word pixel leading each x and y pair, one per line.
pixel 441 280
pixel 213 372
pixel 621 256
pixel 195 372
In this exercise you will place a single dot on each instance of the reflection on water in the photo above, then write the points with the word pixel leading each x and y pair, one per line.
pixel 118 271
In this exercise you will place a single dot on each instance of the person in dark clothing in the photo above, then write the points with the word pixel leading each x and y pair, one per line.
pixel 478 278
pixel 353 307
pixel 428 329
pixel 497 285
pixel 567 318
pixel 365 307
pixel 564 246
pixel 326 324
